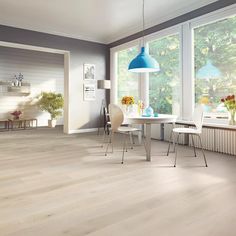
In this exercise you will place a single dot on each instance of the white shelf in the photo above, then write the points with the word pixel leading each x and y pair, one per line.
pixel 6 89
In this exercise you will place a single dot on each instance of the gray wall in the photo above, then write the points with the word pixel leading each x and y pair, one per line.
pixel 82 114
pixel 44 71
pixel 180 19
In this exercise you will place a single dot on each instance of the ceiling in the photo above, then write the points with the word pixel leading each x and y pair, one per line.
pixel 102 21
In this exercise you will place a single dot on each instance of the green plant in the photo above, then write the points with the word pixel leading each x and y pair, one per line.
pixel 52 103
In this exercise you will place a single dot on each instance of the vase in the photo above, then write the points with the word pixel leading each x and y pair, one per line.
pixel 232 117
pixel 128 110
pixel 16 117
pixel 149 111
pixel 52 123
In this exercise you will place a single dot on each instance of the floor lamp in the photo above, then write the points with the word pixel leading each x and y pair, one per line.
pixel 103 84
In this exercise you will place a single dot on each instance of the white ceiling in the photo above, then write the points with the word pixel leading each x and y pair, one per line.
pixel 96 20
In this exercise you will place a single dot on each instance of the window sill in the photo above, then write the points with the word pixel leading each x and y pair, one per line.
pixel 210 123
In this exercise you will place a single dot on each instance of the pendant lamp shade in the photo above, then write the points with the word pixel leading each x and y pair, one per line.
pixel 143 62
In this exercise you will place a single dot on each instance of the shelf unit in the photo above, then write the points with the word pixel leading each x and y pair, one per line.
pixel 7 89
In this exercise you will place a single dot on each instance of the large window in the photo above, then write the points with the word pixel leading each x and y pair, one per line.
pixel 215 63
pixel 128 82
pixel 165 86
pixel 197 66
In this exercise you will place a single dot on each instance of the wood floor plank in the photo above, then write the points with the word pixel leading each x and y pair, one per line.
pixel 57 184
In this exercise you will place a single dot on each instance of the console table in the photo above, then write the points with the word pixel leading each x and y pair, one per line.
pixel 22 123
pixel 6 124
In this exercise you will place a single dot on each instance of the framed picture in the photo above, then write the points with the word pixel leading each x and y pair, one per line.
pixel 89 72
pixel 89 92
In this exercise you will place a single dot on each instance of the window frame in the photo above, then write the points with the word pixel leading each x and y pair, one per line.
pixel 175 30
pixel 207 19
pixel 113 67
pixel 185 30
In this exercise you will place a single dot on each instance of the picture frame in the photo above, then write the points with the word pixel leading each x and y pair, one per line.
pixel 89 92
pixel 89 72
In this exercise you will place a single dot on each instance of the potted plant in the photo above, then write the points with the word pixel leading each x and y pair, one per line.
pixel 53 104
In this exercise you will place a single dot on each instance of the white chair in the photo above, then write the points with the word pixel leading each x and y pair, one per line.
pixel 116 119
pixel 107 127
pixel 197 130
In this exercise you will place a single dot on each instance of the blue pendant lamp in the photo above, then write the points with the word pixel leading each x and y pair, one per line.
pixel 143 62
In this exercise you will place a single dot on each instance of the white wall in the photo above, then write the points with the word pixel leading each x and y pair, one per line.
pixel 44 71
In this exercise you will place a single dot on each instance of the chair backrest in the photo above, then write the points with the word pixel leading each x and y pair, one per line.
pixel 198 117
pixel 116 116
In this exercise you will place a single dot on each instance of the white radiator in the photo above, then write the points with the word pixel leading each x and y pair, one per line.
pixel 208 139
pixel 156 131
pixel 225 141
pixel 167 131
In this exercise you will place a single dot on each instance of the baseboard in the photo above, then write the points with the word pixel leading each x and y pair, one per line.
pixel 79 131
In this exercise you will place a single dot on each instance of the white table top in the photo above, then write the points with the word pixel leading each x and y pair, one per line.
pixel 162 118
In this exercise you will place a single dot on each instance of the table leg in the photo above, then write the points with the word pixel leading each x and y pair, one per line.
pixel 148 142
pixel 140 134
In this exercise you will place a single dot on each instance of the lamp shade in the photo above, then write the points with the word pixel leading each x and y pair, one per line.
pixel 103 84
pixel 208 72
pixel 143 63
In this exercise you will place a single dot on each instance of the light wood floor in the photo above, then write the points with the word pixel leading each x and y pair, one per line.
pixel 53 184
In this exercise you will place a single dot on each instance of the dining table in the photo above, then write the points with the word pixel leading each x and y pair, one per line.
pixel 148 121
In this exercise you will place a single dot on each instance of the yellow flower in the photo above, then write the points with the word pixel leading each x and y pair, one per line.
pixel 127 100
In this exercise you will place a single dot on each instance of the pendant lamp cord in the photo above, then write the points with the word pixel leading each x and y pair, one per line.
pixel 143 25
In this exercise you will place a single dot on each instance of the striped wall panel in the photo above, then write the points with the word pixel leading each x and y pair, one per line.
pixel 44 72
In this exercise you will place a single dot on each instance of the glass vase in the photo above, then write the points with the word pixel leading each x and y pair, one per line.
pixel 232 117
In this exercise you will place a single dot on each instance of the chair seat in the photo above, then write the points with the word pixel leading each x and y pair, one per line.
pixel 187 130
pixel 109 123
pixel 127 129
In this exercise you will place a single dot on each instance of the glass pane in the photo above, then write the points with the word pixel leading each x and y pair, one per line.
pixel 165 85
pixel 215 64
pixel 128 82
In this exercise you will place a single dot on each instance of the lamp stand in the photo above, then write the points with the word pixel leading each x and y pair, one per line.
pixel 101 117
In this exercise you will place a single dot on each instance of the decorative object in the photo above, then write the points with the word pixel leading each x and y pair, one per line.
pixel 208 72
pixel 16 115
pixel 128 101
pixel 89 72
pixel 17 80
pixel 143 62
pixel 103 84
pixel 89 92
pixel 149 111
pixel 53 104
pixel 230 104
pixel 140 107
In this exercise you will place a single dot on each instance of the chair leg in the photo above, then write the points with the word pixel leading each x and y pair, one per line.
pixel 202 150
pixel 194 148
pixel 176 150
pixel 168 151
pixel 124 146
pixel 110 141
pixel 131 139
